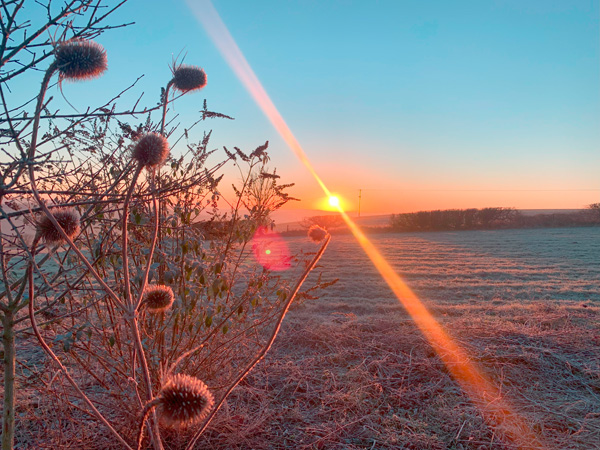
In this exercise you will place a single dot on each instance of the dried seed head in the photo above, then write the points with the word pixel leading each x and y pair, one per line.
pixel 184 400
pixel 67 218
pixel 316 233
pixel 151 150
pixel 80 59
pixel 158 298
pixel 188 78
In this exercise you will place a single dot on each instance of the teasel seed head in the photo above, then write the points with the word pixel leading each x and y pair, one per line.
pixel 80 59
pixel 184 400
pixel 151 150
pixel 158 298
pixel 68 219
pixel 188 78
pixel 316 233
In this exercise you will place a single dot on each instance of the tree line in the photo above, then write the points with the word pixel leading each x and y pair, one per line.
pixel 489 219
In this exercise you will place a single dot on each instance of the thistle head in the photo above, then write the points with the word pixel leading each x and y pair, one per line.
pixel 158 298
pixel 183 400
pixel 151 150
pixel 316 233
pixel 80 59
pixel 188 78
pixel 67 218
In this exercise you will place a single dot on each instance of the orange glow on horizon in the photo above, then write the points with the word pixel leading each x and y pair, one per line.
pixel 481 390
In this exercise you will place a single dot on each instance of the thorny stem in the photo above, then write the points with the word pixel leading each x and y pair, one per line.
pixel 163 120
pixel 132 321
pixel 266 348
pixel 36 194
pixel 38 109
pixel 8 411
pixel 165 104
pixel 146 411
pixel 124 236
pixel 52 355
pixel 155 433
pixel 131 314
pixel 152 246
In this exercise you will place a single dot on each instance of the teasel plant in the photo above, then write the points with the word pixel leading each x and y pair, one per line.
pixel 118 256
pixel 25 45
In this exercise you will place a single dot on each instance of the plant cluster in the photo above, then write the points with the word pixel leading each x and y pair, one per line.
pixel 116 257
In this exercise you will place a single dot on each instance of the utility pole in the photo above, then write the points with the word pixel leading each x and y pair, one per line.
pixel 359 197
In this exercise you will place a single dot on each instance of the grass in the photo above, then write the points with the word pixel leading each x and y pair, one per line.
pixel 345 381
pixel 351 371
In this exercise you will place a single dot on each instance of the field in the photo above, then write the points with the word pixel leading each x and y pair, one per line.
pixel 351 371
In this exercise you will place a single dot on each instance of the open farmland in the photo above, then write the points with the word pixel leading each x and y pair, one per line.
pixel 351 371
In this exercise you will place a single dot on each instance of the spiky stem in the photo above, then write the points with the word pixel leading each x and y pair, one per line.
pixel 145 412
pixel 164 111
pixel 53 356
pixel 131 315
pixel 125 236
pixel 31 154
pixel 32 149
pixel 266 348
pixel 152 244
pixel 8 412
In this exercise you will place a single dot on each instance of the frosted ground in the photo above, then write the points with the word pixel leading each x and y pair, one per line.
pixel 554 265
pixel 351 371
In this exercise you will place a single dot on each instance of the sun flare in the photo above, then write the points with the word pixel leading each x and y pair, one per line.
pixel 460 364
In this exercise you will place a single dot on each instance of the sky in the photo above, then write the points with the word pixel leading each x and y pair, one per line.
pixel 421 105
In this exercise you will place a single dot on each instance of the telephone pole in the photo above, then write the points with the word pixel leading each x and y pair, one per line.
pixel 359 197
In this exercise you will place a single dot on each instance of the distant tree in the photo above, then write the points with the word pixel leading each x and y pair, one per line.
pixel 327 222
pixel 455 219
pixel 595 207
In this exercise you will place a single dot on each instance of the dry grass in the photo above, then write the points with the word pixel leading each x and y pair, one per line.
pixel 351 371
pixel 372 381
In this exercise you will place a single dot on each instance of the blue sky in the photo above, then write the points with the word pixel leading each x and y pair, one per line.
pixel 421 104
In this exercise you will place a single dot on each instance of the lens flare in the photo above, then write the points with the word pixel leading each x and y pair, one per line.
pixel 478 386
pixel 270 250
pixel 334 201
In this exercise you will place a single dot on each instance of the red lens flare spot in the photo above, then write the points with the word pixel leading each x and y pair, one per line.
pixel 270 250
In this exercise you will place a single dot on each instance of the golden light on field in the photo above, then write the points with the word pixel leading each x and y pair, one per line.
pixel 484 393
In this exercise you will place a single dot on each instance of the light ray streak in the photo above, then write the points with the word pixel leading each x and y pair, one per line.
pixel 216 29
pixel 479 387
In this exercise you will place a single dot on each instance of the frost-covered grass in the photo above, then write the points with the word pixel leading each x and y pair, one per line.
pixel 351 371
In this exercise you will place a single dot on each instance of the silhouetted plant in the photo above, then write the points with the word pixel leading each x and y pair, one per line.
pixel 142 284
pixel 326 222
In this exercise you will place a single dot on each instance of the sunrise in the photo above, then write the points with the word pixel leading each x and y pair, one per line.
pixel 263 225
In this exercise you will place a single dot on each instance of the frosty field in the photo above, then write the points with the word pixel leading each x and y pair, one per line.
pixel 444 268
pixel 350 370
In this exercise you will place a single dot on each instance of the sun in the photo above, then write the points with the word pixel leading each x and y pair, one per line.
pixel 334 201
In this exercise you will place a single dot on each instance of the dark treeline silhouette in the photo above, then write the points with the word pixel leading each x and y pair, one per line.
pixel 488 219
